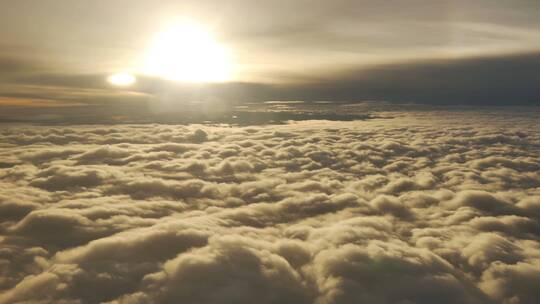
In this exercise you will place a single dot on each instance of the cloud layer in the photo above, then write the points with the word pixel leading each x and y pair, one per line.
pixel 423 208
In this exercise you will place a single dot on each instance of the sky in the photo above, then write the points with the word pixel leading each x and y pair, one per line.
pixel 58 54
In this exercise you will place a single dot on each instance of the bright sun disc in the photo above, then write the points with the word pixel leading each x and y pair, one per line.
pixel 122 79
pixel 187 52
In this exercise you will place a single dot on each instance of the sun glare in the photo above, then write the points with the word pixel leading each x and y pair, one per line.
pixel 187 52
pixel 122 79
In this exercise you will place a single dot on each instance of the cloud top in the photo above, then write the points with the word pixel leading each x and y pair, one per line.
pixel 421 208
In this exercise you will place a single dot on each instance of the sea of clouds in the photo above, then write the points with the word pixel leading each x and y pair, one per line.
pixel 427 207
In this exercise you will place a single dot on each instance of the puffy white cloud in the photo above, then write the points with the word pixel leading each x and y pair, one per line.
pixel 389 273
pixel 421 208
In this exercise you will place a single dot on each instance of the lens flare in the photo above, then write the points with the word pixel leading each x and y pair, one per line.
pixel 122 79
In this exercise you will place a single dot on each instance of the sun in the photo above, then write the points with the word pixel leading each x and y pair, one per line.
pixel 185 51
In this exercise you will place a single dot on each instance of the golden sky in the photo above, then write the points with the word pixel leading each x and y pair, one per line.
pixel 307 50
